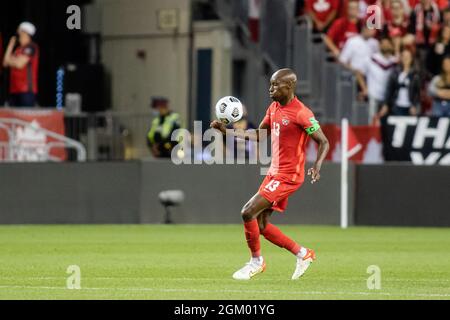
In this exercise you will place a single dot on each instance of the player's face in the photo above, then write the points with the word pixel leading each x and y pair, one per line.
pixel 278 89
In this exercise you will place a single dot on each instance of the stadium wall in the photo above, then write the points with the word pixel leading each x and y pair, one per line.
pixel 142 57
pixel 402 195
pixel 216 194
pixel 47 193
pixel 127 192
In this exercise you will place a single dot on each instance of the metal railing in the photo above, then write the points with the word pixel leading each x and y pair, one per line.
pixel 14 151
pixel 112 135
pixel 102 136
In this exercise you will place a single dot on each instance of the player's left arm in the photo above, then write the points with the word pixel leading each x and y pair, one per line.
pixel 306 119
pixel 319 137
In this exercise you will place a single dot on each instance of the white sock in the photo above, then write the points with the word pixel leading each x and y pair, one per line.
pixel 302 252
pixel 258 260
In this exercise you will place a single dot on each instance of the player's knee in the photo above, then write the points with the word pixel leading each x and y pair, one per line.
pixel 247 213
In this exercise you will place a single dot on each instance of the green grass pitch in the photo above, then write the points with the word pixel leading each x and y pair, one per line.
pixel 196 262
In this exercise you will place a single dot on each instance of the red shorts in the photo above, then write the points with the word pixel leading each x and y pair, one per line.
pixel 277 189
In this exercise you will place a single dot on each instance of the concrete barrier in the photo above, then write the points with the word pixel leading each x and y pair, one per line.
pixel 402 195
pixel 127 192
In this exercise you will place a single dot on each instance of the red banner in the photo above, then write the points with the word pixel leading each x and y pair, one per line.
pixel 369 137
pixel 26 135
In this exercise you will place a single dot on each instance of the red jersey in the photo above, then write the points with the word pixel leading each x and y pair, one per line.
pixel 393 30
pixel 341 30
pixel 290 126
pixel 321 8
pixel 25 80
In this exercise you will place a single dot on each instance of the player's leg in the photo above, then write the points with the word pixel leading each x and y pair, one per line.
pixel 254 207
pixel 250 213
pixel 263 219
pixel 273 234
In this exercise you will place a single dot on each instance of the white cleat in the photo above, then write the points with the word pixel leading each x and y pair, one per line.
pixel 303 264
pixel 250 270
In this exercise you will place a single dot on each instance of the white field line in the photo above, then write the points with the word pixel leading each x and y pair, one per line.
pixel 340 293
pixel 216 279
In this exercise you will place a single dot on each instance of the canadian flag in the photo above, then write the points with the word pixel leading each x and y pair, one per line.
pixel 353 143
pixel 254 14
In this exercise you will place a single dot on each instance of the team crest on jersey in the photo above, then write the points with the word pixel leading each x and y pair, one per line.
pixel 285 121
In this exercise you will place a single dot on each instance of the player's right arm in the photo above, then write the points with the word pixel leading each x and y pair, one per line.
pixel 262 132
pixel 252 134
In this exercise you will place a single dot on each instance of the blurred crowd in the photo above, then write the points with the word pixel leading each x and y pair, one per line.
pixel 399 51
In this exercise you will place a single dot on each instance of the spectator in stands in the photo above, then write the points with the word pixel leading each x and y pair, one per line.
pixel 342 29
pixel 300 7
pixel 1 51
pixel 442 4
pixel 322 13
pixel 159 137
pixel 439 90
pixel 446 17
pixel 358 48
pixel 386 10
pixel 1 69
pixel 397 27
pixel 23 62
pixel 403 88
pixel 425 23
pixel 440 49
pixel 362 7
pixel 375 76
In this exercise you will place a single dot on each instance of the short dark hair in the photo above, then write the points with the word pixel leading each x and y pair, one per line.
pixel 157 101
pixel 386 38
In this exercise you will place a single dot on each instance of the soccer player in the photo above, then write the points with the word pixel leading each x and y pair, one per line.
pixel 289 123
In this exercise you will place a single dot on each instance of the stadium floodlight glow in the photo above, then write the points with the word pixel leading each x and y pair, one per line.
pixel 170 198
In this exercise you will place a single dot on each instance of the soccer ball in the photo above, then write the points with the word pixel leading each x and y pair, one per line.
pixel 229 109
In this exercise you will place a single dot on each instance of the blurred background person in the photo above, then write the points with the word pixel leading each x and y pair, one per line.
pixel 439 90
pixel 373 81
pixel 403 88
pixel 438 51
pixel 322 13
pixel 165 122
pixel 446 17
pixel 397 27
pixel 362 7
pixel 358 48
pixel 343 29
pixel 23 63
pixel 425 25
pixel 1 70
